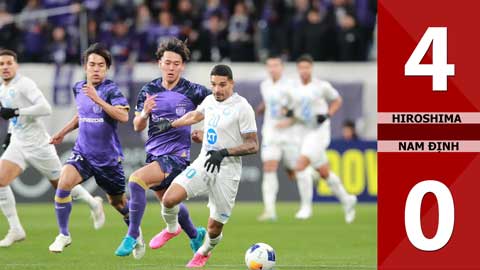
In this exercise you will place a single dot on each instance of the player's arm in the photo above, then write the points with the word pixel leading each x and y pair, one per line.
pixel 333 107
pixel 188 119
pixel 249 146
pixel 141 118
pixel 260 108
pixel 119 113
pixel 39 107
pixel 69 127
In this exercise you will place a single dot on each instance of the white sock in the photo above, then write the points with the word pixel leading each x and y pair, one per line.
pixel 170 215
pixel 337 188
pixel 269 191
pixel 305 187
pixel 7 204
pixel 80 193
pixel 209 244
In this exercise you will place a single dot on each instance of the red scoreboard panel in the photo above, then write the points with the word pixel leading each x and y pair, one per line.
pixel 428 134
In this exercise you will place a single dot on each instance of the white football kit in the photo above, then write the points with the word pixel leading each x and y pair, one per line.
pixel 224 124
pixel 30 140
pixel 278 142
pixel 311 100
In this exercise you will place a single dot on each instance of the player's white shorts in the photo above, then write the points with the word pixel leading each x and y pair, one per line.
pixel 42 157
pixel 221 188
pixel 281 146
pixel 315 146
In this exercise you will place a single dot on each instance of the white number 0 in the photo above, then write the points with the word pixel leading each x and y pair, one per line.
pixel 446 215
pixel 439 69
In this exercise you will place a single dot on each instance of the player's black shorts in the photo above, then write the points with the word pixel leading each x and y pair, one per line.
pixel 173 165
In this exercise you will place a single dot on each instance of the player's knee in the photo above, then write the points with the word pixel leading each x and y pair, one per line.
pixel 169 201
pixel 324 171
pixel 270 166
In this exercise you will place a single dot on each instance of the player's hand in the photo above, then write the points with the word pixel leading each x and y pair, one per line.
pixel 162 125
pixel 149 104
pixel 215 159
pixel 197 136
pixel 7 113
pixel 56 139
pixel 322 118
pixel 6 142
pixel 90 92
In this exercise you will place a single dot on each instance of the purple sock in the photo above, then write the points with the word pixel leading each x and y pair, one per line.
pixel 186 223
pixel 124 212
pixel 138 202
pixel 63 207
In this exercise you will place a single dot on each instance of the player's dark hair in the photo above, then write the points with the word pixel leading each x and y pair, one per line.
pixel 305 58
pixel 98 48
pixel 173 45
pixel 274 56
pixel 222 70
pixel 8 52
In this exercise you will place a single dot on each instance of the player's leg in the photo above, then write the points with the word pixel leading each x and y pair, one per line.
pixel 305 187
pixel 270 154
pixel 348 201
pixel 45 159
pixel 221 197
pixel 69 178
pixel 174 165
pixel 12 165
pixel 196 234
pixel 190 183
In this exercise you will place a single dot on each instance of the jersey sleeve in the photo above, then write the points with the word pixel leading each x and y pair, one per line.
pixel 329 93
pixel 117 99
pixel 32 93
pixel 142 96
pixel 247 119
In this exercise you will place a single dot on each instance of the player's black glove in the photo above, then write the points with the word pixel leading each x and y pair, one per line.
pixel 6 142
pixel 322 118
pixel 162 125
pixel 215 159
pixel 7 113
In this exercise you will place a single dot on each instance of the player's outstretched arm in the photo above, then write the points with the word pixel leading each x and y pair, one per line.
pixel 69 127
pixel 249 146
pixel 188 119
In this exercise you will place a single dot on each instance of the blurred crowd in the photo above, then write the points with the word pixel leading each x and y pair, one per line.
pixel 216 30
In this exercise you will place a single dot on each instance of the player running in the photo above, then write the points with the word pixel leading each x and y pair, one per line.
pixel 316 102
pixel 168 154
pixel 97 151
pixel 230 132
pixel 22 103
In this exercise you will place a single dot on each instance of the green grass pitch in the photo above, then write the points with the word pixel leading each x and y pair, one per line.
pixel 322 242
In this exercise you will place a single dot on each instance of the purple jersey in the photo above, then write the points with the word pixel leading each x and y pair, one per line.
pixel 171 104
pixel 97 139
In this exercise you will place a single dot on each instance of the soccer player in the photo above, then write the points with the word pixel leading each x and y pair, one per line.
pixel 22 103
pixel 278 141
pixel 317 101
pixel 230 132
pixel 168 154
pixel 97 151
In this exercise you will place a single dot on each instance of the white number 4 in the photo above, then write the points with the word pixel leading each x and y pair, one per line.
pixel 439 69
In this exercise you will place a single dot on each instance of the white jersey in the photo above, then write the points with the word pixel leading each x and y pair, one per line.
pixel 23 93
pixel 224 124
pixel 276 96
pixel 311 100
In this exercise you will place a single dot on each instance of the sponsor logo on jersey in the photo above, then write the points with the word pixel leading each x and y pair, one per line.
pixel 211 136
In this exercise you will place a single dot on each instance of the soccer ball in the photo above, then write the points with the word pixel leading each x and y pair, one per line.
pixel 260 256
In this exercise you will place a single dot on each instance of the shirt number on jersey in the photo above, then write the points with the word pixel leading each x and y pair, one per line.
pixel 213 122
